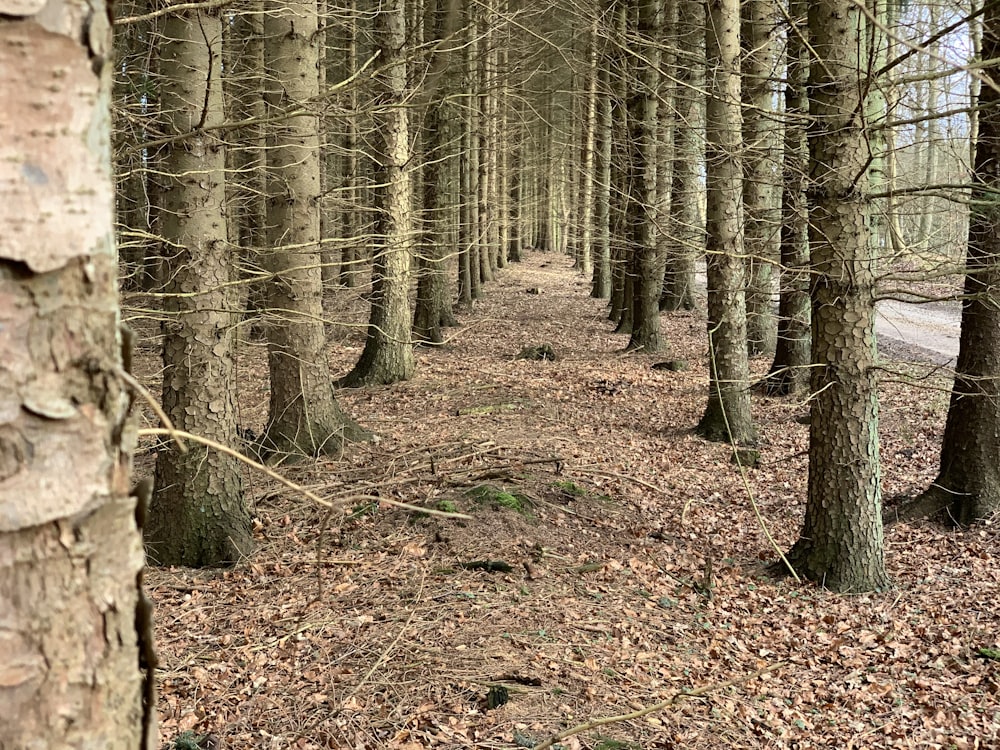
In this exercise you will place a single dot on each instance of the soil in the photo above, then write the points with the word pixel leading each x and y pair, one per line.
pixel 635 552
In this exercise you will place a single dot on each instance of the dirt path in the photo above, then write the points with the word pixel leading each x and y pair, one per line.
pixel 925 332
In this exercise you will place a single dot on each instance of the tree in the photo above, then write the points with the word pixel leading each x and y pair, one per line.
pixel 388 353
pixel 685 231
pixel 760 242
pixel 197 517
pixel 303 417
pixel 433 307
pixel 841 543
pixel 642 196
pixel 727 415
pixel 789 373
pixel 71 554
pixel 967 487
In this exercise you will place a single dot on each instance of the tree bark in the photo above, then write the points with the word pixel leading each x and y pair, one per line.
pixel 70 553
pixel 841 544
pixel 727 415
pixel 388 353
pixel 303 417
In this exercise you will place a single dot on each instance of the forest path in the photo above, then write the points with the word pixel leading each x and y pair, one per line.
pixel 925 331
pixel 363 628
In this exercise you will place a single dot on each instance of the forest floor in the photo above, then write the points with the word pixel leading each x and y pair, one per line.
pixel 635 563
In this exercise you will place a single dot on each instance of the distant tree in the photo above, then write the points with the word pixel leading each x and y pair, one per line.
pixel 760 169
pixel 198 516
pixel 685 235
pixel 433 306
pixel 601 283
pixel 642 196
pixel 967 488
pixel 727 416
pixel 303 417
pixel 388 353
pixel 841 542
pixel 70 553
pixel 789 373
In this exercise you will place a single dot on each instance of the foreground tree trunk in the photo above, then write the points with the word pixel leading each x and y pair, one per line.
pixel 388 353
pixel 967 487
pixel 198 517
pixel 727 415
pixel 70 553
pixel 841 545
pixel 303 417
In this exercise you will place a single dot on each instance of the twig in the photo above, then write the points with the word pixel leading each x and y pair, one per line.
pixel 594 723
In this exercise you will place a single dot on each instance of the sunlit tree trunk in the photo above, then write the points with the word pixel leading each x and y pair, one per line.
pixel 727 415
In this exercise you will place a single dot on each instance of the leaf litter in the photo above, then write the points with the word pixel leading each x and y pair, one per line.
pixel 634 564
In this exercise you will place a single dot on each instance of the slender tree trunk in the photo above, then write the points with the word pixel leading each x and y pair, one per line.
pixel 789 372
pixel 601 285
pixel 641 201
pixel 760 168
pixel 352 255
pixel 687 236
pixel 303 417
pixel 727 415
pixel 841 544
pixel 197 517
pixel 70 553
pixel 620 309
pixel 388 353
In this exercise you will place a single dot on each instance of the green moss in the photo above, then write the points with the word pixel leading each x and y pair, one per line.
pixel 446 506
pixel 497 497
pixel 606 743
pixel 570 488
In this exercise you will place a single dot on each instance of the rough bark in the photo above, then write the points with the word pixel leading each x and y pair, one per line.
pixel 601 283
pixel 197 517
pixel 684 228
pixel 727 415
pixel 70 552
pixel 789 373
pixel 841 542
pixel 388 353
pixel 641 199
pixel 303 417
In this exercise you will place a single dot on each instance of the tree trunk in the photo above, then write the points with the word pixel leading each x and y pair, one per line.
pixel 303 416
pixel 727 415
pixel 684 226
pixel 641 200
pixel 197 517
pixel 388 353
pixel 967 488
pixel 433 306
pixel 759 171
pixel 789 372
pixel 70 553
pixel 841 543
pixel 601 283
